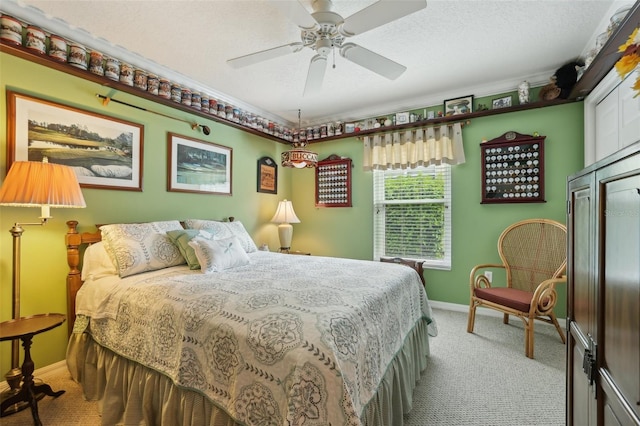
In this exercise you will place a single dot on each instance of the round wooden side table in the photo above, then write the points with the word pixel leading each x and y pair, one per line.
pixel 24 329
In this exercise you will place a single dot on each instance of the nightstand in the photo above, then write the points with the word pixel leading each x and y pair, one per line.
pixel 24 329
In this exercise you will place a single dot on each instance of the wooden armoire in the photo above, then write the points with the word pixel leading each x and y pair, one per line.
pixel 603 314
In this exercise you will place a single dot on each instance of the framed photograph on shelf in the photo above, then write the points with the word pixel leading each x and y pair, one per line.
pixel 105 152
pixel 463 105
pixel 197 166
pixel 267 175
pixel 402 117
pixel 503 102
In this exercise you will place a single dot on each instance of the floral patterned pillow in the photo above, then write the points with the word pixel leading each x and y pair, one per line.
pixel 218 255
pixel 224 230
pixel 141 247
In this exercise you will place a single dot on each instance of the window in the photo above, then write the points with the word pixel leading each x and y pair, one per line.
pixel 412 214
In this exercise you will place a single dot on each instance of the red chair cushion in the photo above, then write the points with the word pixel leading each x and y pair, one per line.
pixel 511 297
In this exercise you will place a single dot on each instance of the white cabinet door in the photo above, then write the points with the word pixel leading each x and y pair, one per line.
pixel 607 126
pixel 628 112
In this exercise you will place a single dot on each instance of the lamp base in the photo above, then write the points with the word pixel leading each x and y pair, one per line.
pixel 285 233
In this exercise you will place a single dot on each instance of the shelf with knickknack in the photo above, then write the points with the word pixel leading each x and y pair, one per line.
pixel 48 61
pixel 601 64
pixel 608 55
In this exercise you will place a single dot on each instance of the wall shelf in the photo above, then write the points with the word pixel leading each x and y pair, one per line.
pixel 608 55
pixel 600 66
pixel 47 61
pixel 448 119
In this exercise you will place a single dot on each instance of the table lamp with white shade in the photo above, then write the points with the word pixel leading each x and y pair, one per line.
pixel 285 216
pixel 34 184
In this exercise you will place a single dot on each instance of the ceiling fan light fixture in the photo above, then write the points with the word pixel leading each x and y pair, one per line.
pixel 324 30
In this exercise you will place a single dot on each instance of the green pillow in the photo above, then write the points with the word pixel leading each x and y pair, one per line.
pixel 181 239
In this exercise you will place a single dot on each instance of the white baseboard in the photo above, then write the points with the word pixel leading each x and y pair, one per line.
pixel 446 306
pixel 42 373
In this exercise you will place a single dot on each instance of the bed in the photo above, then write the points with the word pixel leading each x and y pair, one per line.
pixel 187 323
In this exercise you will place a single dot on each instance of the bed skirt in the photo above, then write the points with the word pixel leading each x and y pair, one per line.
pixel 131 394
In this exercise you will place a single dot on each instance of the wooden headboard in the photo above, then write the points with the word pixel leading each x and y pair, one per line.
pixel 75 242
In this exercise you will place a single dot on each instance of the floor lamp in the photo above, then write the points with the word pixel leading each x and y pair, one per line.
pixel 33 184
pixel 285 216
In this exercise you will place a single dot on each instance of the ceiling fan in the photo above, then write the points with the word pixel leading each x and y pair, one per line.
pixel 323 30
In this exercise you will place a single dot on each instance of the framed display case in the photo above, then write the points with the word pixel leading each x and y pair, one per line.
pixel 333 182
pixel 513 169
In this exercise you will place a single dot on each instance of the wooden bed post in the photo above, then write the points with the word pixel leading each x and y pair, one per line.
pixel 74 281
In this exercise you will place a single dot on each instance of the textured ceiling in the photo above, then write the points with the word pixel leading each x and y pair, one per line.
pixel 451 49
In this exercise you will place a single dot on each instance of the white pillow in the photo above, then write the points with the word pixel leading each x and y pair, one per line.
pixel 96 263
pixel 218 255
pixel 224 230
pixel 141 247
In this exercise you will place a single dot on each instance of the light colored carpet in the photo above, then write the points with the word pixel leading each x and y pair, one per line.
pixel 480 379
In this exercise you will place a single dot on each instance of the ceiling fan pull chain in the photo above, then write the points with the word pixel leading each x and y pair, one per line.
pixel 334 58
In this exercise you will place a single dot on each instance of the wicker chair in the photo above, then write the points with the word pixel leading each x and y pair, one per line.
pixel 534 256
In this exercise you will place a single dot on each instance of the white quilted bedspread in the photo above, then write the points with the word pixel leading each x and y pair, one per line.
pixel 285 340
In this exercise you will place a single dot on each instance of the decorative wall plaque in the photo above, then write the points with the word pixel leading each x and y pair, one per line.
pixel 267 175
pixel 513 169
pixel 333 182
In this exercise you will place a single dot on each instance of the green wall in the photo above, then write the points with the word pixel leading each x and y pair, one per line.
pixel 43 251
pixel 345 232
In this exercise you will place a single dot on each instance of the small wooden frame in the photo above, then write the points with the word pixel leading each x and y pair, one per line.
pixel 333 182
pixel 513 169
pixel 267 175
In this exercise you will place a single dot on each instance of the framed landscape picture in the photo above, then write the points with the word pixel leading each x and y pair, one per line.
pixel 267 175
pixel 457 106
pixel 197 166
pixel 105 152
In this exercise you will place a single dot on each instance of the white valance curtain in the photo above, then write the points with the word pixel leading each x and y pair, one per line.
pixel 407 149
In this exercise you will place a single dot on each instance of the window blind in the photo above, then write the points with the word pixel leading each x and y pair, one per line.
pixel 412 214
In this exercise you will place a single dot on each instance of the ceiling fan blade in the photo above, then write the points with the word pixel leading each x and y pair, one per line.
pixel 296 12
pixel 253 58
pixel 317 67
pixel 372 61
pixel 379 13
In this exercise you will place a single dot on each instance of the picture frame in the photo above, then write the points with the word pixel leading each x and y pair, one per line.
pixel 267 180
pixel 503 102
pixel 402 118
pixel 105 152
pixel 458 106
pixel 349 127
pixel 198 167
